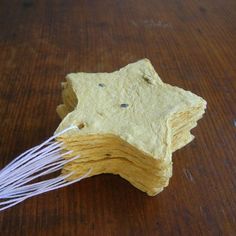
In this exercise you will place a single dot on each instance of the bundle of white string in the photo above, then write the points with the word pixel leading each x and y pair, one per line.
pixel 17 179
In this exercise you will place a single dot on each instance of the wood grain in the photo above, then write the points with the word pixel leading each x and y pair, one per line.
pixel 191 43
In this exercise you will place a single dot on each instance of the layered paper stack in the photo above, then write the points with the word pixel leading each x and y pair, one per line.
pixel 130 123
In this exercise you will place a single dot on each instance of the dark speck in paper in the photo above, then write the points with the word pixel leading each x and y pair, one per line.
pixel 101 85
pixel 124 105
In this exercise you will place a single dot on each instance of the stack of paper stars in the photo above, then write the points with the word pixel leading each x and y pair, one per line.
pixel 130 123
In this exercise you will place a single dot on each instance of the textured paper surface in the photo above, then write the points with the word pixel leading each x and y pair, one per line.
pixel 130 123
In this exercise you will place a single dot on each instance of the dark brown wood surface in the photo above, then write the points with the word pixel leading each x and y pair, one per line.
pixel 191 43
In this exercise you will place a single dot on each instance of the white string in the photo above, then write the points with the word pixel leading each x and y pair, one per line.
pixel 17 177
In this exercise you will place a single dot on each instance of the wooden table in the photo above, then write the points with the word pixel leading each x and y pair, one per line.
pixel 192 44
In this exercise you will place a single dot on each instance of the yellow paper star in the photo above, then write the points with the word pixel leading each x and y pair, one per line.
pixel 129 124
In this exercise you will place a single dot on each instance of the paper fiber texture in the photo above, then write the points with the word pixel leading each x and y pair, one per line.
pixel 130 123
